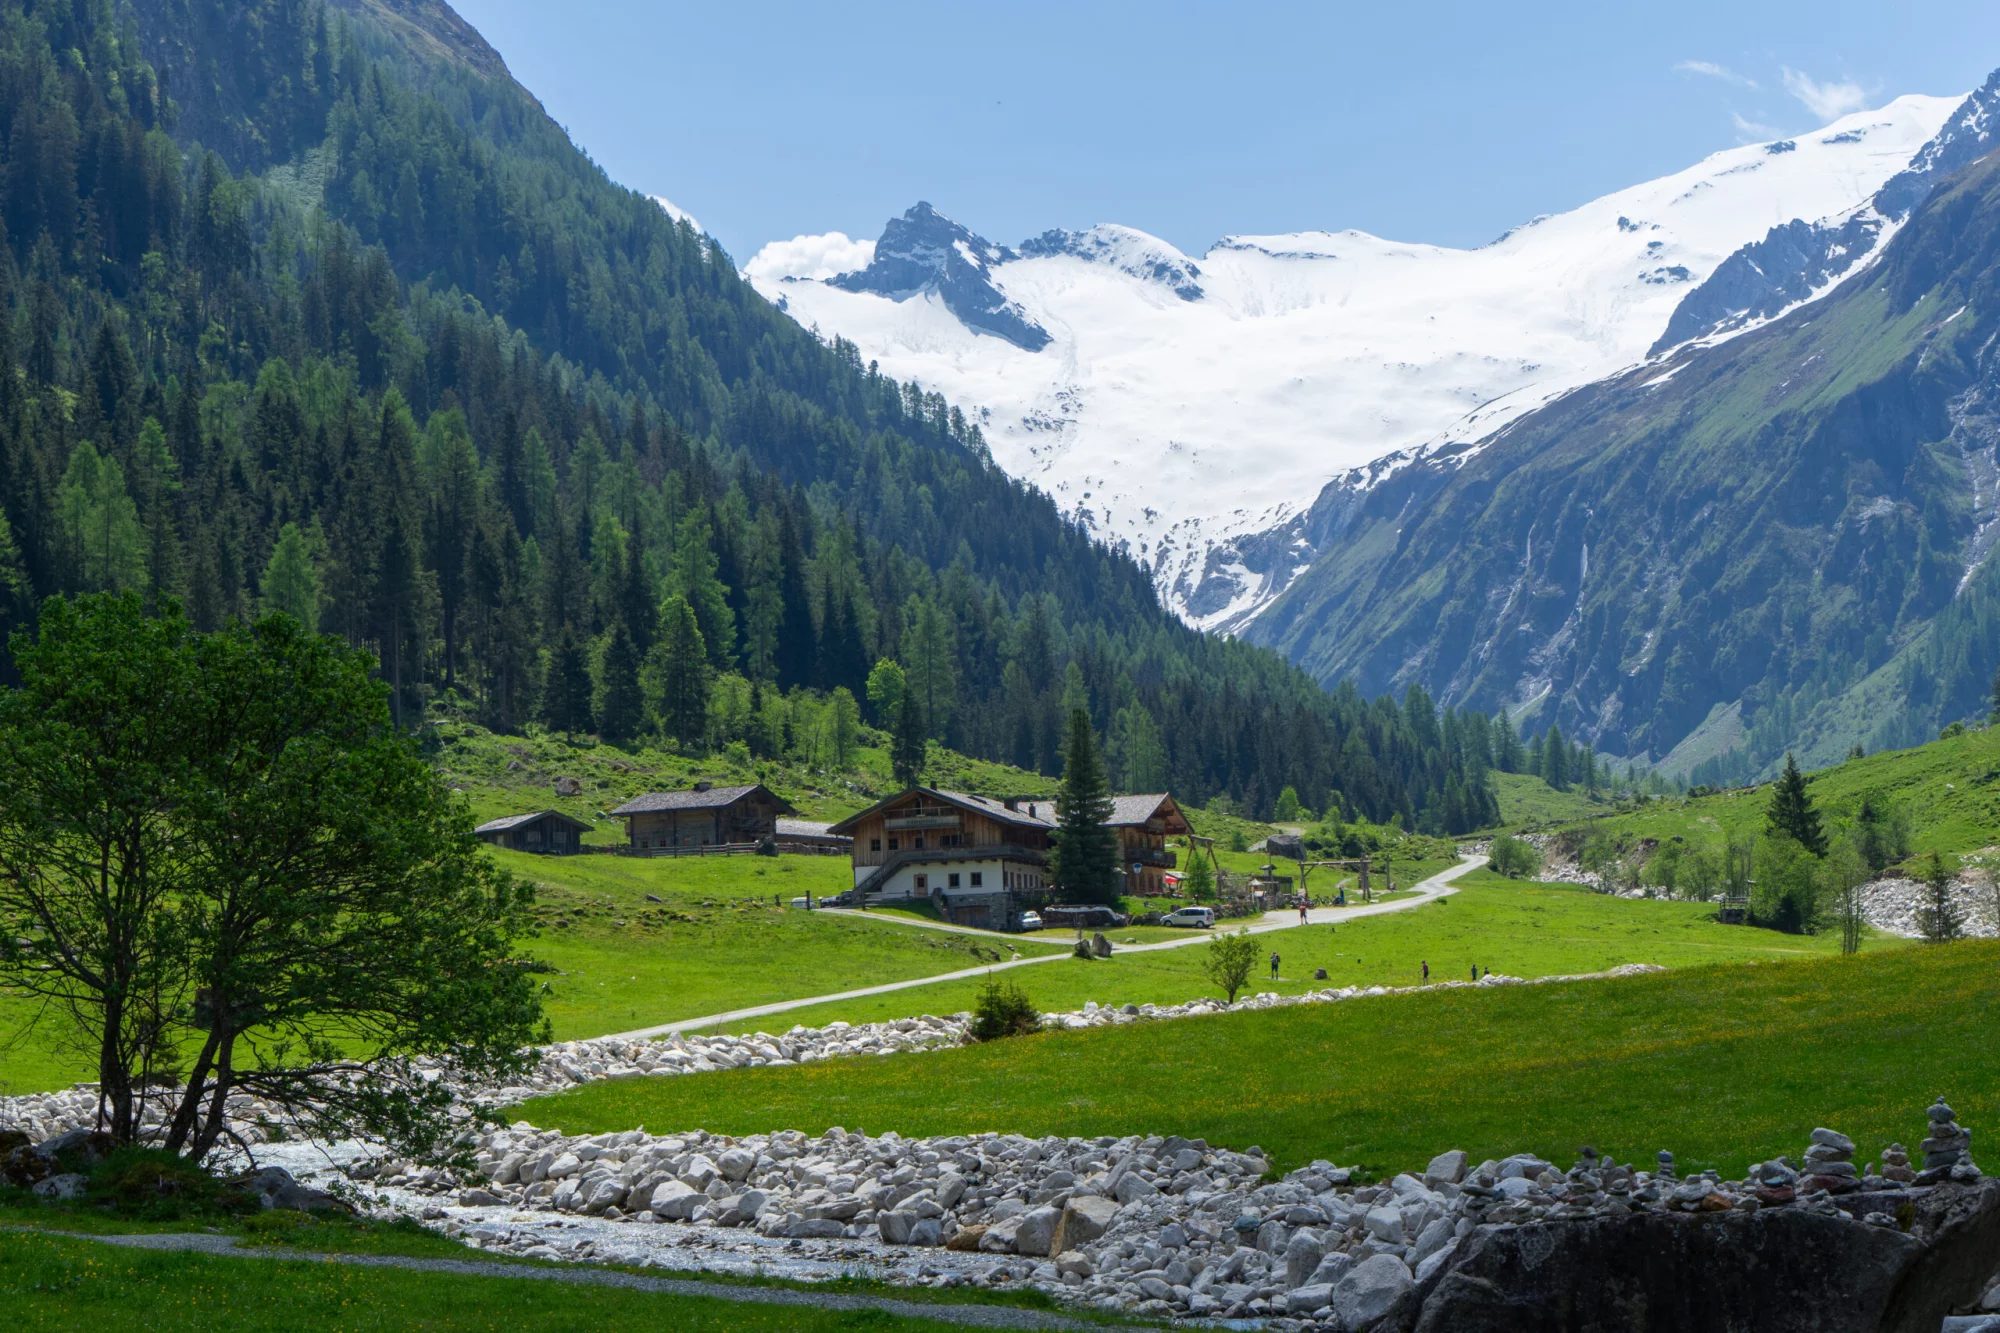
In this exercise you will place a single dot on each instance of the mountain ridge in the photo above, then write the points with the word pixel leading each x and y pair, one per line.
pixel 1187 406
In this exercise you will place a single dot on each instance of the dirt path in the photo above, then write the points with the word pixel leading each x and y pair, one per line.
pixel 1424 891
pixel 968 1316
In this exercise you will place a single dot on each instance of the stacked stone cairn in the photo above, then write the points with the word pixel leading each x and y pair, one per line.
pixel 1948 1150
pixel 1829 1164
pixel 1896 1165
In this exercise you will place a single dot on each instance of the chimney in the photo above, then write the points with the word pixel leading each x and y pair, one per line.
pixel 1012 803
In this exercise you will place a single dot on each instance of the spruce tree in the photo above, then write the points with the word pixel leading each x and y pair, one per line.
pixel 621 708
pixel 1791 813
pixel 566 695
pixel 1084 864
pixel 907 752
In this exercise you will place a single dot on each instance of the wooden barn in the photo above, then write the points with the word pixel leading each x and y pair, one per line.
pixel 550 832
pixel 703 816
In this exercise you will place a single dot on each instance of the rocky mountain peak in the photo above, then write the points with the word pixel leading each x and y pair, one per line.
pixel 925 251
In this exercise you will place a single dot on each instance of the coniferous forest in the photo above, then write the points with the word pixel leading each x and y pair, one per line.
pixel 312 309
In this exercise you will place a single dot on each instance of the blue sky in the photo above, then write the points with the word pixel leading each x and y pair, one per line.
pixel 1442 122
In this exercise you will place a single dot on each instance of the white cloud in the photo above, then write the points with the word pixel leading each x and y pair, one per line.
pixel 1828 101
pixel 1709 69
pixel 816 257
pixel 676 212
pixel 1750 131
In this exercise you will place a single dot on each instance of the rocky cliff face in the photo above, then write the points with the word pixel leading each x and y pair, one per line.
pixel 925 251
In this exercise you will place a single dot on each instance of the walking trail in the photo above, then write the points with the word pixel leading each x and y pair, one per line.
pixel 975 1316
pixel 1424 891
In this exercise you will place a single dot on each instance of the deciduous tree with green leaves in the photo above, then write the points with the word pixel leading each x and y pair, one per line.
pixel 1228 959
pixel 223 870
pixel 908 748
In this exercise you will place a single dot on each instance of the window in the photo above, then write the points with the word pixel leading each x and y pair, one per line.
pixel 951 882
pixel 874 844
pixel 978 880
pixel 918 842
pixel 923 883
pixel 892 844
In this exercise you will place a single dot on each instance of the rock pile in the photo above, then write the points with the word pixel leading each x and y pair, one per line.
pixel 1157 1226
pixel 1897 906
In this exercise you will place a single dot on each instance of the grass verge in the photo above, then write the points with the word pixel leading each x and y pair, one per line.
pixel 1723 1065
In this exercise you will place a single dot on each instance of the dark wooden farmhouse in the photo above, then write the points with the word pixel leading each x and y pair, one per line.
pixel 548 831
pixel 1144 824
pixel 705 816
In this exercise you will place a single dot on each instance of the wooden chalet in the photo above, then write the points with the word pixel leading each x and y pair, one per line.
pixel 550 832
pixel 982 860
pixel 703 816
pixel 1144 824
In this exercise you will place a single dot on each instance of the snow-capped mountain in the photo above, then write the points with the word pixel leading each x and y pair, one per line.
pixel 1194 406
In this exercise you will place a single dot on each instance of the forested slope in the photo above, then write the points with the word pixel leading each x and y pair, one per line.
pixel 314 309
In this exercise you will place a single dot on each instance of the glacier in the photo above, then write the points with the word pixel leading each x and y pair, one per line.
pixel 1193 407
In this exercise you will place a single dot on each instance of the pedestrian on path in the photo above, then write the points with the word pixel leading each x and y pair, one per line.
pixel 1475 971
pixel 1427 969
pixel 1302 911
pixel 1274 966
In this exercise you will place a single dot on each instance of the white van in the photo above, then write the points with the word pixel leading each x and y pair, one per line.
pixel 1203 917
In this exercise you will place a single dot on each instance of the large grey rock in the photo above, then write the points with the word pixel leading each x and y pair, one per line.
pixel 1083 1221
pixel 1134 1186
pixel 68 1185
pixel 895 1226
pixel 675 1201
pixel 1306 1299
pixel 1303 1253
pixel 1385 1224
pixel 927 1231
pixel 999 1237
pixel 1370 1290
pixel 736 1163
pixel 1331 1269
pixel 1036 1231
pixel 1447 1168
pixel 275 1188
pixel 1778 1270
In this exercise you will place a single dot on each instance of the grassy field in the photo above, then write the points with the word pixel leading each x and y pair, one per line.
pixel 1721 1065
pixel 714 941
pixel 49 1282
pixel 1528 802
pixel 1518 929
pixel 1950 789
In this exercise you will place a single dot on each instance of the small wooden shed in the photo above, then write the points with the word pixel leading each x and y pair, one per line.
pixel 550 832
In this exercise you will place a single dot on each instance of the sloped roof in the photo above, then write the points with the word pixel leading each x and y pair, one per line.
pixel 715 798
pixel 1137 809
pixel 1044 816
pixel 506 822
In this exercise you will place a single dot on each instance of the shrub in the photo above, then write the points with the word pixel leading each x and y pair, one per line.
pixel 1003 1010
pixel 1513 858
pixel 153 1185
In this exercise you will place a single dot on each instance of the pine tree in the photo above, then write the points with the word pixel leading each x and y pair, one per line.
pixel 908 752
pixel 1198 878
pixel 1084 862
pixel 679 664
pixel 1791 812
pixel 1939 915
pixel 566 696
pixel 620 706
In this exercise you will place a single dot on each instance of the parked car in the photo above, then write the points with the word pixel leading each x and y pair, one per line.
pixel 1031 921
pixel 1089 916
pixel 1203 917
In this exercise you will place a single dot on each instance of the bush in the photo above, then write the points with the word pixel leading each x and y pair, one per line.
pixel 152 1185
pixel 1228 961
pixel 1513 858
pixel 1003 1010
